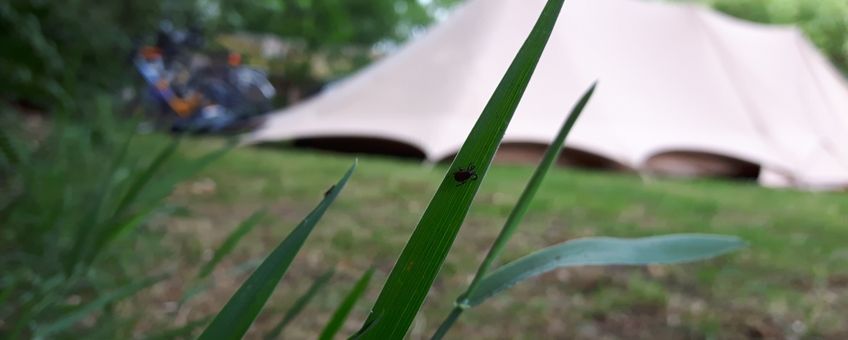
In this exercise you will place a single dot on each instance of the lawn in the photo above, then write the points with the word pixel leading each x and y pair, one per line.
pixel 791 283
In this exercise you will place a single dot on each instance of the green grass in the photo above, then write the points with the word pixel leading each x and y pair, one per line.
pixel 793 277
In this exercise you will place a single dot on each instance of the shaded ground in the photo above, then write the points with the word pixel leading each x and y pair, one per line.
pixel 791 283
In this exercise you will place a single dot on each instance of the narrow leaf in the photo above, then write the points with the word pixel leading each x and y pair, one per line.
pixel 117 226
pixel 341 313
pixel 83 311
pixel 238 314
pixel 90 228
pixel 530 190
pixel 230 243
pixel 517 214
pixel 423 256
pixel 182 332
pixel 601 251
pixel 164 185
pixel 145 176
pixel 8 149
pixel 298 305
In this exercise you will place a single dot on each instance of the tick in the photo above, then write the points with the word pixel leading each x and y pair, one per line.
pixel 464 175
pixel 327 193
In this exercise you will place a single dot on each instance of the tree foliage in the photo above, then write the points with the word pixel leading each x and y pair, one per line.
pixel 54 50
pixel 824 21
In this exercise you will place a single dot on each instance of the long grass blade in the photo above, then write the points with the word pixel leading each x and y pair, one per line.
pixel 341 313
pixel 8 149
pixel 201 283
pixel 423 256
pixel 238 314
pixel 519 210
pixel 142 189
pixel 146 176
pixel 230 242
pixel 81 312
pixel 298 305
pixel 530 190
pixel 90 229
pixel 165 184
pixel 182 332
pixel 601 251
pixel 117 226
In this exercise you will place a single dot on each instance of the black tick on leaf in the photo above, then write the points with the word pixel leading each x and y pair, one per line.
pixel 464 175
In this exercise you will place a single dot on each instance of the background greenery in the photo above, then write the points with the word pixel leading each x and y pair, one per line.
pixel 57 50
pixel 54 51
pixel 824 21
pixel 791 283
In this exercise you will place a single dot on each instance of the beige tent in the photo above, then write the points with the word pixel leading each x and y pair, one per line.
pixel 683 90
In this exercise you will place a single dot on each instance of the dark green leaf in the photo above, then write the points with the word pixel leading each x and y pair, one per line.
pixel 424 254
pixel 298 305
pixel 341 313
pixel 83 311
pixel 520 208
pixel 146 176
pixel 182 332
pixel 530 190
pixel 238 314
pixel 230 243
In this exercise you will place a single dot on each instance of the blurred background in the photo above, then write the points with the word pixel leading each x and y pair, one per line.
pixel 93 94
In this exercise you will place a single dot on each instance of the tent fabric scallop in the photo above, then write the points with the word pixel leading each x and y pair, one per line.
pixel 672 78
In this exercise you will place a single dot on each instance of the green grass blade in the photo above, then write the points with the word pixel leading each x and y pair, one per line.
pixel 230 242
pixel 50 293
pixel 530 190
pixel 182 332
pixel 83 311
pixel 146 176
pixel 115 227
pixel 163 186
pixel 599 251
pixel 298 305
pixel 90 228
pixel 517 213
pixel 8 149
pixel 225 249
pixel 341 313
pixel 237 315
pixel 124 218
pixel 422 257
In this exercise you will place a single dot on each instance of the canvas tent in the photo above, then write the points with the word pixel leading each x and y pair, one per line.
pixel 683 90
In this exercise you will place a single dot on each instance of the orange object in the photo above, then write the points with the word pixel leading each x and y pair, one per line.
pixel 150 52
pixel 162 84
pixel 234 59
pixel 184 107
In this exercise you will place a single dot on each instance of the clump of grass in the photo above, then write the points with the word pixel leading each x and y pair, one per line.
pixel 78 196
pixel 67 201
pixel 419 263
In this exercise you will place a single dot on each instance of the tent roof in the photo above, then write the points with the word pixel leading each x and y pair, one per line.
pixel 673 77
